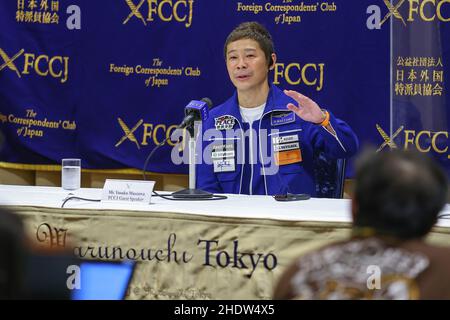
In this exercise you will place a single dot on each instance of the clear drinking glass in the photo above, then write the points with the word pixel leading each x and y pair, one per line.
pixel 71 174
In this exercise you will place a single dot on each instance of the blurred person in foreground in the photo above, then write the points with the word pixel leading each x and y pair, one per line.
pixel 398 196
pixel 26 270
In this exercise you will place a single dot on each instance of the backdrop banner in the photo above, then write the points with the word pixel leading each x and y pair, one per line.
pixel 105 81
pixel 420 56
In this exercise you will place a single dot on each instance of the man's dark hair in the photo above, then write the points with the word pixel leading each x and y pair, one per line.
pixel 399 193
pixel 255 31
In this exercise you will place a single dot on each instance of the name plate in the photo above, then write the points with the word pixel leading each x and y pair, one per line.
pixel 127 191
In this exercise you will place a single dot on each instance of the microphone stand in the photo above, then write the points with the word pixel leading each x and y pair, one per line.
pixel 192 192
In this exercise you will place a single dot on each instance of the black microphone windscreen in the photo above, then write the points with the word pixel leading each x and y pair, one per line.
pixel 208 102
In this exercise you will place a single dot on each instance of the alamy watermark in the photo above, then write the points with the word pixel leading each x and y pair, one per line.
pixel 226 148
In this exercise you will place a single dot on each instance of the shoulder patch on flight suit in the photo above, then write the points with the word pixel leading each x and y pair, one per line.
pixel 225 122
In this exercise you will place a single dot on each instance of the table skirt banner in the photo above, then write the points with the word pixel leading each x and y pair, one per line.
pixel 184 256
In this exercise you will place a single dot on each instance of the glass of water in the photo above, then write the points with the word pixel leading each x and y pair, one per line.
pixel 71 174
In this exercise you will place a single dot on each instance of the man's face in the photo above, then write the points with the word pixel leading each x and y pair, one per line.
pixel 246 64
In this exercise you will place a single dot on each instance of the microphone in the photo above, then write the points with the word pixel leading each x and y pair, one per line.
pixel 194 111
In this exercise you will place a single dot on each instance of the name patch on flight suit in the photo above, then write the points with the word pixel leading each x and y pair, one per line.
pixel 279 118
pixel 286 150
pixel 223 157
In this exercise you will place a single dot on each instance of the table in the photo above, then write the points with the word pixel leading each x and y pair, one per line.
pixel 226 249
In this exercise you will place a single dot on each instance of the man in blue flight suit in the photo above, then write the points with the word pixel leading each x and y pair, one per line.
pixel 261 141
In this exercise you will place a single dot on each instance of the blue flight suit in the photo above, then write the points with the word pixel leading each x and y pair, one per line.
pixel 279 133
